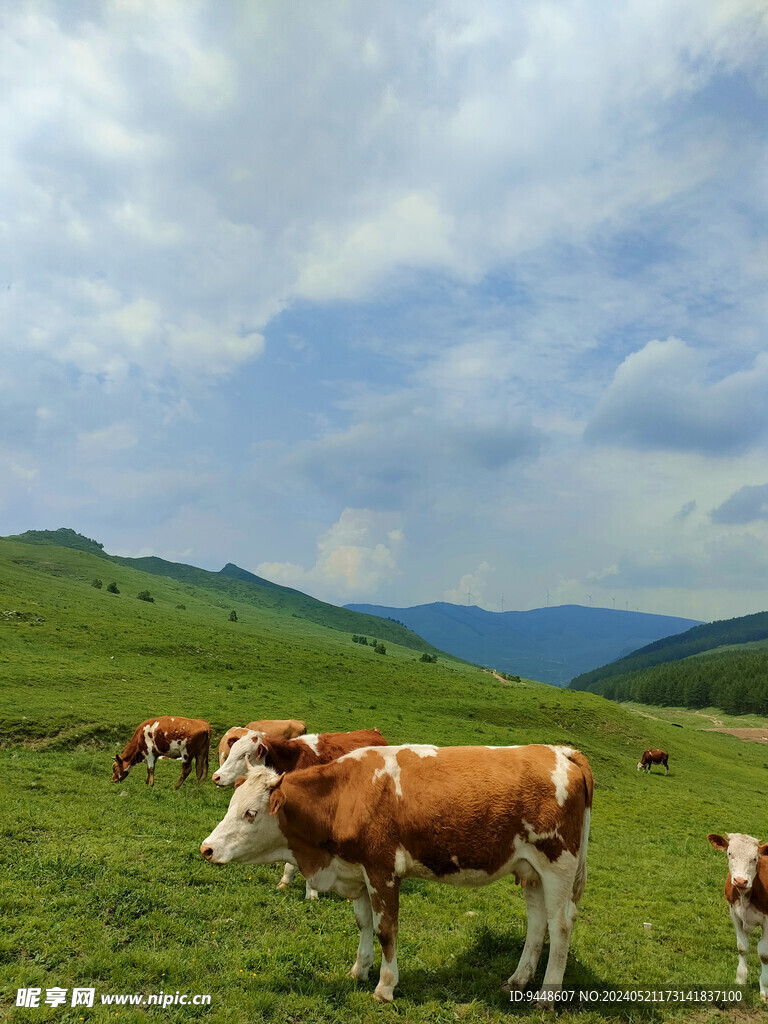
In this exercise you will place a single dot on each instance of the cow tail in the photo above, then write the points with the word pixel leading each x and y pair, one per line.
pixel 580 879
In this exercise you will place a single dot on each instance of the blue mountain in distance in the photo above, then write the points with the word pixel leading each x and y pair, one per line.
pixel 549 644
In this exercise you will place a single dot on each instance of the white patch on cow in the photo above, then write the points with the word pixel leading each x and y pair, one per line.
pixel 420 749
pixel 561 771
pixel 390 767
pixel 177 748
pixel 357 754
pixel 310 740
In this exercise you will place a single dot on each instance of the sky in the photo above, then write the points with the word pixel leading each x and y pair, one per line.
pixel 394 303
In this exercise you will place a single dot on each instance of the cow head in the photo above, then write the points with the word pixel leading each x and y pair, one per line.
pixel 120 768
pixel 249 832
pixel 743 854
pixel 640 766
pixel 250 746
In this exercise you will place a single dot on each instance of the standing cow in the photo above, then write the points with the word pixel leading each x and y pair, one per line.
pixel 279 729
pixel 653 757
pixel 462 815
pixel 166 736
pixel 288 756
pixel 746 892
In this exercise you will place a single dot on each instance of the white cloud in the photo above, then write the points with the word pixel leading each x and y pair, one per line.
pixel 665 397
pixel 98 444
pixel 354 556
pixel 473 587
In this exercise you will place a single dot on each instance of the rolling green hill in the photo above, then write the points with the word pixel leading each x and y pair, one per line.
pixel 103 885
pixel 733 678
pixel 239 585
pixel 726 632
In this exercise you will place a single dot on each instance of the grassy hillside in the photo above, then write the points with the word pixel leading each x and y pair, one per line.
pixel 726 632
pixel 235 584
pixel 103 884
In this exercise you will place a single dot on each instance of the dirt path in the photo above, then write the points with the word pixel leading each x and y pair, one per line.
pixel 753 735
pixel 501 679
pixel 713 720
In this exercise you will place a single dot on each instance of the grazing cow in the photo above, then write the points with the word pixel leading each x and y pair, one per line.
pixel 653 757
pixel 746 890
pixel 166 736
pixel 289 755
pixel 463 815
pixel 279 729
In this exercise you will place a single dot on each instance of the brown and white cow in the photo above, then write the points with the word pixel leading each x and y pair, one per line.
pixel 746 891
pixel 166 736
pixel 279 729
pixel 288 756
pixel 653 757
pixel 463 815
pixel 293 754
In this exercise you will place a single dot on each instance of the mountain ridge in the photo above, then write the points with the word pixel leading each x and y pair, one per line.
pixel 550 644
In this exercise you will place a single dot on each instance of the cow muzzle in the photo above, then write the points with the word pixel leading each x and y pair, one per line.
pixel 207 852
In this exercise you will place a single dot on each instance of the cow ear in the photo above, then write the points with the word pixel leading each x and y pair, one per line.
pixel 259 749
pixel 240 781
pixel 762 850
pixel 277 796
pixel 231 740
pixel 717 841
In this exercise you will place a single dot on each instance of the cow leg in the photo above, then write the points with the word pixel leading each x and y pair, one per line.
pixel 762 949
pixel 385 904
pixel 288 872
pixel 201 766
pixel 742 945
pixel 561 915
pixel 150 770
pixel 186 768
pixel 364 918
pixel 534 938
pixel 309 892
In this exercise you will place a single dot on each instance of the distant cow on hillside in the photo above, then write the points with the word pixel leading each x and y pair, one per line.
pixel 462 815
pixel 746 891
pixel 166 736
pixel 653 757
pixel 278 729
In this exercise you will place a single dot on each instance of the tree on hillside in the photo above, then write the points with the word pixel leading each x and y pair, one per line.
pixel 112 588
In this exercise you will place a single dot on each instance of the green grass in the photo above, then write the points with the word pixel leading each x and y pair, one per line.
pixel 102 885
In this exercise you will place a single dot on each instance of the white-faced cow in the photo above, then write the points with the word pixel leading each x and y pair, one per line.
pixel 463 815
pixel 653 757
pixel 288 756
pixel 166 736
pixel 746 890
pixel 279 729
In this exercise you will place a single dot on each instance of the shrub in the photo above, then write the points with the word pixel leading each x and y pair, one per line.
pixel 181 607
pixel 233 616
pixel 112 588
pixel 380 649
pixel 430 658
pixel 144 595
pixel 98 584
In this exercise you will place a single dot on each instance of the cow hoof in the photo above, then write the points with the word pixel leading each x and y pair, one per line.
pixel 312 895
pixel 283 885
pixel 383 997
pixel 764 997
pixel 358 973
